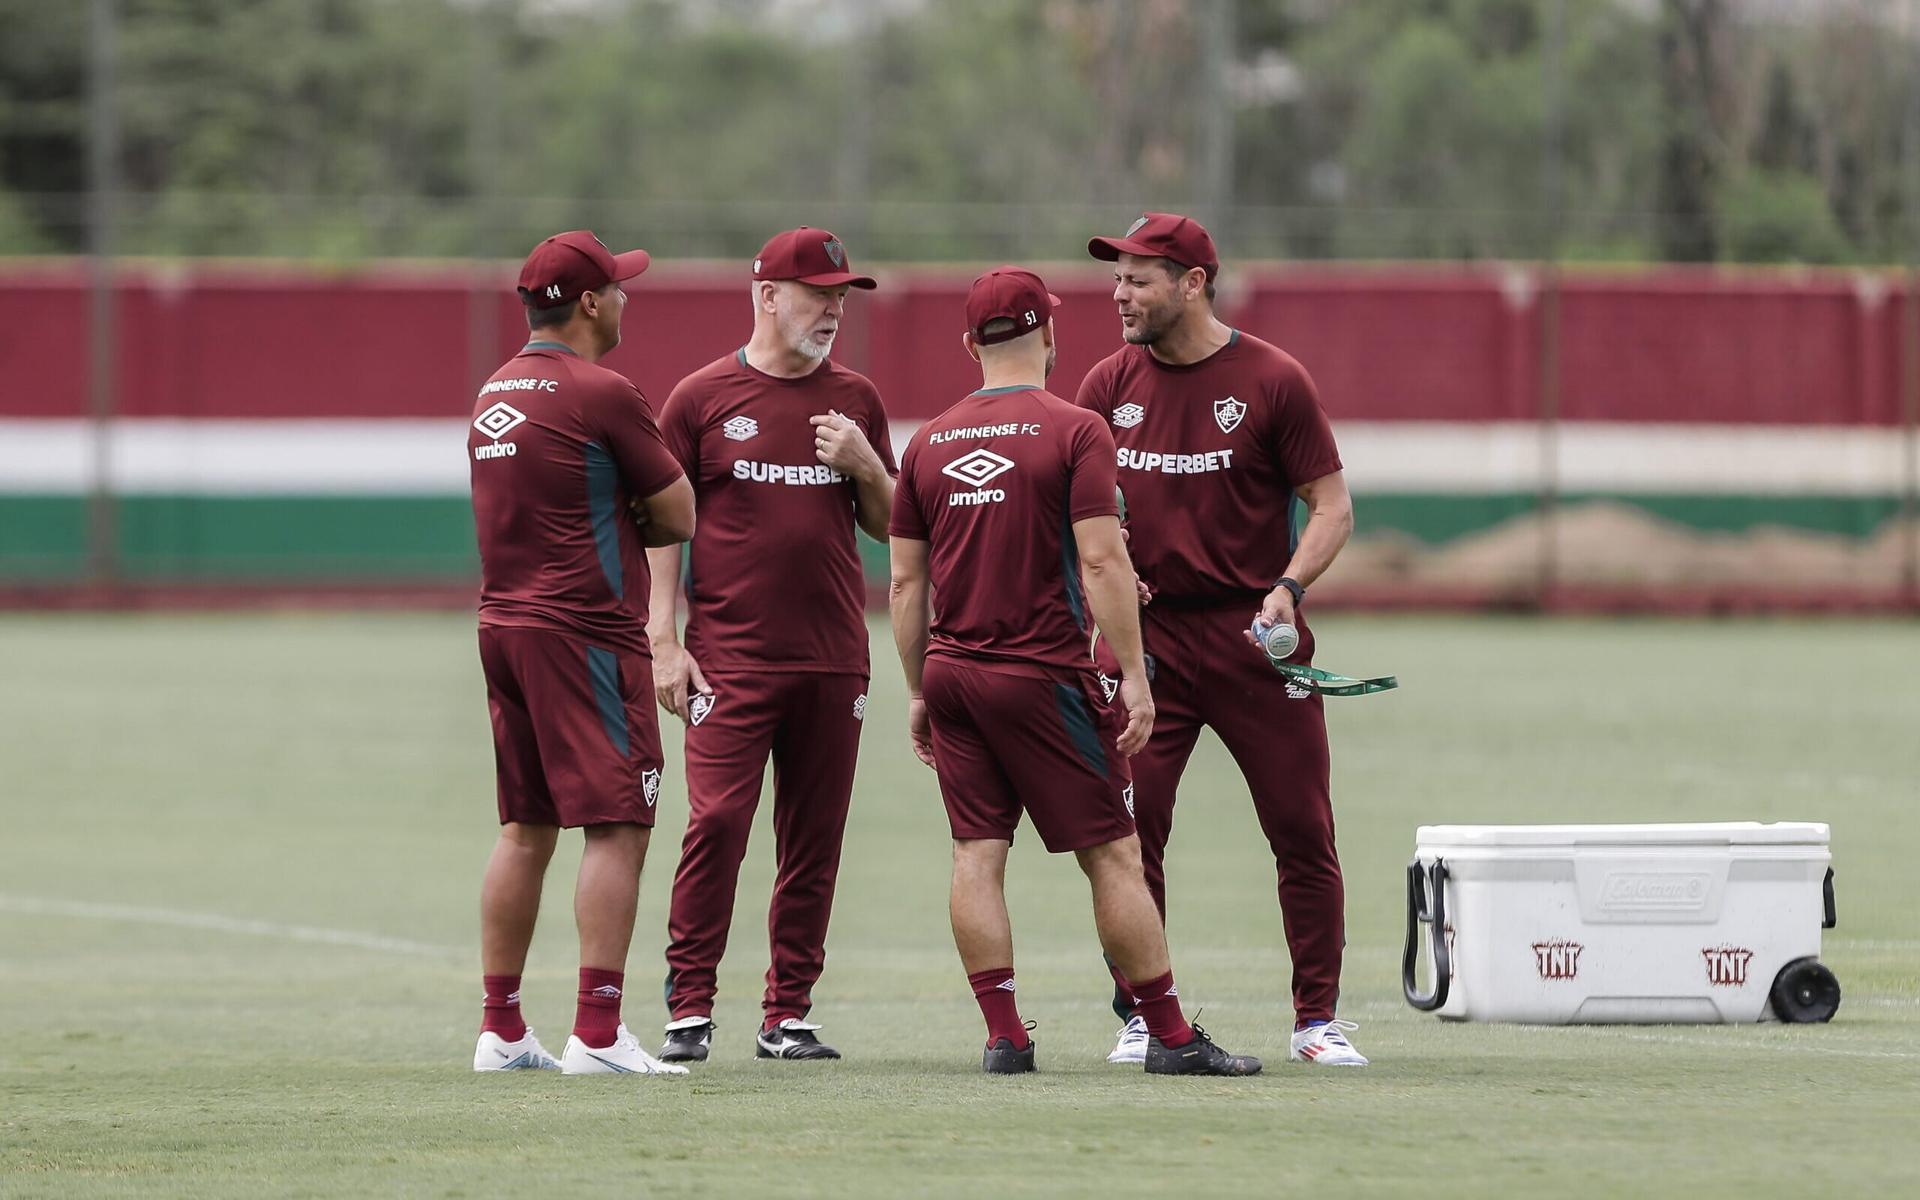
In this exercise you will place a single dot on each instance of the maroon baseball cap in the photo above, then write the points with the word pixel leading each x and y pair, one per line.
pixel 809 255
pixel 1011 292
pixel 567 264
pixel 1162 235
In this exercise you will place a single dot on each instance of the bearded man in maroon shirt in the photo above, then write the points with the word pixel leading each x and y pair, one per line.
pixel 570 484
pixel 1221 442
pixel 788 452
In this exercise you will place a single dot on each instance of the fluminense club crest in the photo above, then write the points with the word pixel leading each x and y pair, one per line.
pixel 836 252
pixel 698 707
pixel 1134 228
pixel 650 784
pixel 1227 414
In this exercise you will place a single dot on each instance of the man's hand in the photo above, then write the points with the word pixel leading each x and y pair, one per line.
pixel 1138 699
pixel 919 729
pixel 674 673
pixel 1276 609
pixel 638 511
pixel 841 444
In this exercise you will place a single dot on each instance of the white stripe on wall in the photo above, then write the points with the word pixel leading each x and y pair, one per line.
pixel 428 457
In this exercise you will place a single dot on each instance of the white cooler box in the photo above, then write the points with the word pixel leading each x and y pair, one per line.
pixel 1580 924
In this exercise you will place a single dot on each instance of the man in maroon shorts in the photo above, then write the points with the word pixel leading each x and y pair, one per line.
pixel 1221 438
pixel 787 451
pixel 570 484
pixel 1006 511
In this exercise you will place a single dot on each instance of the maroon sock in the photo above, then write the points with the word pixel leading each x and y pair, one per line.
pixel 596 1017
pixel 1159 1003
pixel 994 992
pixel 500 1007
pixel 1124 1001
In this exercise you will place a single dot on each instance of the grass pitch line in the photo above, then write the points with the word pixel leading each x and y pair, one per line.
pixel 1718 1043
pixel 143 914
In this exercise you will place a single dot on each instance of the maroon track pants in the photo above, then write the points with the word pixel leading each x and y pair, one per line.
pixel 1207 674
pixel 809 724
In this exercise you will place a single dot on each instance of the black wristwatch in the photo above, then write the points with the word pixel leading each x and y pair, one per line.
pixel 1294 586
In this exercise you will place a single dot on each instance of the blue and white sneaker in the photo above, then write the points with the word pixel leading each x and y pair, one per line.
pixel 624 1057
pixel 495 1053
pixel 1326 1045
pixel 1132 1046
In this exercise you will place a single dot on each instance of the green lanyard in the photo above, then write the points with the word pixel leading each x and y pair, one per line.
pixel 1329 684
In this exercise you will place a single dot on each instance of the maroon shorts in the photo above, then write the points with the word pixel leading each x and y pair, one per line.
pixel 575 738
pixel 1005 742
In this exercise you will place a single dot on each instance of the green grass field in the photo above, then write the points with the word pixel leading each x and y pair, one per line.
pixel 238 877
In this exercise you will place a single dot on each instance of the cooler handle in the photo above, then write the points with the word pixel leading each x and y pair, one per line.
pixel 1422 884
pixel 1831 918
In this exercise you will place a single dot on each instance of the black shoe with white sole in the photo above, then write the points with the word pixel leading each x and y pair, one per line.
pixel 792 1038
pixel 1002 1058
pixel 1198 1057
pixel 688 1040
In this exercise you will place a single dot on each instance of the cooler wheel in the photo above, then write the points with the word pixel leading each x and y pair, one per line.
pixel 1805 991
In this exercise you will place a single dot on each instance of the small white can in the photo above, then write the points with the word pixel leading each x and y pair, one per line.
pixel 1277 640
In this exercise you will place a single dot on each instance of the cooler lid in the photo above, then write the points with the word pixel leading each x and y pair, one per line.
pixel 1710 833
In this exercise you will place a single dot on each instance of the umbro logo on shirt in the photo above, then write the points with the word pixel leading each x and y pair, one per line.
pixel 739 429
pixel 1128 415
pixel 499 420
pixel 860 708
pixel 977 468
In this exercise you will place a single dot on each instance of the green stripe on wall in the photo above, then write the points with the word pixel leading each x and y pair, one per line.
pixel 430 538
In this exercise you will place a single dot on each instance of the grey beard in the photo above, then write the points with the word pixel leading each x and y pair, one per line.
pixel 809 348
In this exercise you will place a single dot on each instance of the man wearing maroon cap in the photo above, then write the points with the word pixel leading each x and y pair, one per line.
pixel 1221 438
pixel 1006 505
pixel 788 451
pixel 570 484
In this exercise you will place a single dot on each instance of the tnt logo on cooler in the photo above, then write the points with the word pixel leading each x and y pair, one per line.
pixel 1557 959
pixel 977 468
pixel 1727 965
pixel 499 420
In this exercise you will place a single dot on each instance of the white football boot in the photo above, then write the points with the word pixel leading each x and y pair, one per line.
pixel 624 1057
pixel 495 1053
pixel 1327 1046
pixel 1132 1046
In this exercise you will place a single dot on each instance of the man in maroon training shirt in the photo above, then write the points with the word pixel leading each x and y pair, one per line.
pixel 787 451
pixel 1006 512
pixel 1221 438
pixel 570 484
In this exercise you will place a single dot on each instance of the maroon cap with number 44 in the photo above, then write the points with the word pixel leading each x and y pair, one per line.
pixel 1162 235
pixel 567 264
pixel 808 255
pixel 1014 293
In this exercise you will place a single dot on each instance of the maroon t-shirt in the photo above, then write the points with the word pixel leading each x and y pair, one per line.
pixel 775 582
pixel 994 485
pixel 558 448
pixel 1209 455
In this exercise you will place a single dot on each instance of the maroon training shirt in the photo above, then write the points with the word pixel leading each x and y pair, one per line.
pixel 994 485
pixel 558 448
pixel 775 583
pixel 1209 455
